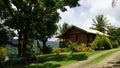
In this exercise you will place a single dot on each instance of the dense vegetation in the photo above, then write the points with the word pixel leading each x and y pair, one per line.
pixel 100 23
pixel 101 42
pixel 33 20
pixel 36 20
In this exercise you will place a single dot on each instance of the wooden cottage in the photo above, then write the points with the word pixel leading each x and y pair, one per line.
pixel 78 35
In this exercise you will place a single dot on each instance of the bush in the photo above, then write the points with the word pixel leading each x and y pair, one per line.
pixel 47 50
pixel 57 51
pixel 29 50
pixel 101 42
pixel 115 44
pixel 65 50
pixel 2 57
pixel 71 46
pixel 15 60
pixel 97 44
pixel 107 42
pixel 79 48
pixel 2 54
pixel 82 48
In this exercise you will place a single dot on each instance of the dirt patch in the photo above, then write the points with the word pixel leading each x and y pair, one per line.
pixel 106 63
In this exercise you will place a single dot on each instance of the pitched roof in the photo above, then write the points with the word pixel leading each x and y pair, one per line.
pixel 91 31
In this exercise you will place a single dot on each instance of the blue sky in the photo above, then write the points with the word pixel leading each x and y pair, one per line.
pixel 82 16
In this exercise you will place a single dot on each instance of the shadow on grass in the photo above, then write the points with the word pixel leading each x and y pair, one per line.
pixel 46 65
pixel 16 66
pixel 78 57
pixel 44 59
pixel 63 57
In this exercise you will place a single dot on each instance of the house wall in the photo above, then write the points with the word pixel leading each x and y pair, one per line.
pixel 76 36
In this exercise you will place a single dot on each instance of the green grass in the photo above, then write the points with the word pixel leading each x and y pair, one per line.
pixel 100 58
pixel 53 61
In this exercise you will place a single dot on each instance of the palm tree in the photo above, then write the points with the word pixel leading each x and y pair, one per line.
pixel 100 23
pixel 63 28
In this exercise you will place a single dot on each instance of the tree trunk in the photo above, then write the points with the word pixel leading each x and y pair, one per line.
pixel 25 42
pixel 19 44
pixel 38 45
pixel 44 46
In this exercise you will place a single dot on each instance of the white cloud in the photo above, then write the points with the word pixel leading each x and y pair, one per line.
pixel 82 16
pixel 113 21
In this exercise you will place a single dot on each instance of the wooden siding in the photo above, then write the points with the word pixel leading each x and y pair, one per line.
pixel 77 36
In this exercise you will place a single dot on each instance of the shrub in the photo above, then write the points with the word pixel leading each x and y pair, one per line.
pixel 82 48
pixel 71 46
pixel 57 51
pixel 30 53
pixel 65 50
pixel 2 54
pixel 47 50
pixel 101 42
pixel 79 48
pixel 107 42
pixel 2 57
pixel 115 44
pixel 97 44
pixel 15 60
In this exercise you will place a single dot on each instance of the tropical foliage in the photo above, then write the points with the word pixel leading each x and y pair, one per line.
pixel 32 19
pixel 74 47
pixel 114 32
pixel 100 23
pixel 63 28
pixel 101 42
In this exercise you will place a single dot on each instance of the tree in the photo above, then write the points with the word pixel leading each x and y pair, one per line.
pixel 100 23
pixel 101 42
pixel 26 15
pixel 114 33
pixel 63 28
pixel 47 30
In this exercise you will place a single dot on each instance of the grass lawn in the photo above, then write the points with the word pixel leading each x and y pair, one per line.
pixel 100 58
pixel 53 60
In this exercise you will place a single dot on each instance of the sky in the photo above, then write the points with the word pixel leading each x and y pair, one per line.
pixel 82 16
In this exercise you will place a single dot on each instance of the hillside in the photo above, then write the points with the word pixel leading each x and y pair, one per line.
pixel 13 50
pixel 53 44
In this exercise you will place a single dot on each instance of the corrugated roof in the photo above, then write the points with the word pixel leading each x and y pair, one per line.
pixel 95 32
pixel 91 31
